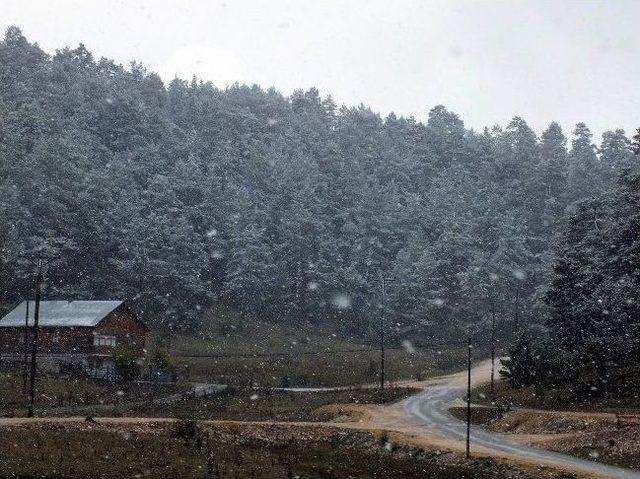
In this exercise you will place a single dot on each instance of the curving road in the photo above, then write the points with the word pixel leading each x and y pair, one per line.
pixel 431 408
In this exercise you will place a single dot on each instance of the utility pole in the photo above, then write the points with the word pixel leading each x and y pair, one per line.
pixel 468 449
pixel 25 362
pixel 516 312
pixel 34 346
pixel 34 336
pixel 493 348
pixel 382 284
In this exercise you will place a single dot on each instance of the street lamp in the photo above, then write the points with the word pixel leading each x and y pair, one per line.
pixel 383 286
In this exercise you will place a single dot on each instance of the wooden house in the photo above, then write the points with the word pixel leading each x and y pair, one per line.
pixel 80 333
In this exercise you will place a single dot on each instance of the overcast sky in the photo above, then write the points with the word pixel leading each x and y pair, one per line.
pixel 488 61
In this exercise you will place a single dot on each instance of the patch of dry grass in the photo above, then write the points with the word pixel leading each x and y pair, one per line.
pixel 561 398
pixel 60 393
pixel 187 450
pixel 321 370
pixel 593 436
pixel 261 405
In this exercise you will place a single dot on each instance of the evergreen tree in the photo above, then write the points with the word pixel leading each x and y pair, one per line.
pixel 551 174
pixel 585 172
pixel 615 153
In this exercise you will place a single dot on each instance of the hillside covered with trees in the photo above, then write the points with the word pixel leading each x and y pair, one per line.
pixel 593 324
pixel 291 207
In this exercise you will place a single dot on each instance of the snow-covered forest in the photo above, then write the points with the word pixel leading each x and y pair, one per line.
pixel 292 207
pixel 594 318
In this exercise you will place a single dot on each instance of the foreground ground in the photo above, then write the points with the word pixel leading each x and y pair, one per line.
pixel 355 440
pixel 111 449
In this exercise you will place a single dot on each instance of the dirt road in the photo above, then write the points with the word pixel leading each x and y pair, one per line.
pixel 431 408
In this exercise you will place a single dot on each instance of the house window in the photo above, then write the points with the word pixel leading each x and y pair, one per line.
pixel 101 340
pixel 56 337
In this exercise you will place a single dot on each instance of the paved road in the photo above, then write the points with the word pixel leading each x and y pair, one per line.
pixel 431 408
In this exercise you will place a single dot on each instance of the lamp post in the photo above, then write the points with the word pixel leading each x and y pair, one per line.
pixel 25 361
pixel 493 349
pixel 468 445
pixel 383 287
pixel 34 346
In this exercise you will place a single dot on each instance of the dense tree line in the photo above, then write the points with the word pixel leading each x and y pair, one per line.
pixel 592 330
pixel 288 207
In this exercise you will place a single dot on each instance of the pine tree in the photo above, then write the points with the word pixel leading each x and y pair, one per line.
pixel 551 174
pixel 585 172
pixel 615 153
pixel 580 320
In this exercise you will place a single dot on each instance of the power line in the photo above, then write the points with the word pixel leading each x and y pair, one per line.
pixel 309 353
pixel 273 354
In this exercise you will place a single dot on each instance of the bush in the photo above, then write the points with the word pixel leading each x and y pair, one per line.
pixel 72 370
pixel 185 430
pixel 518 367
pixel 189 431
pixel 126 362
pixel 161 359
pixel 285 382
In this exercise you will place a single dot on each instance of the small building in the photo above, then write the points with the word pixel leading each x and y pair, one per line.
pixel 74 334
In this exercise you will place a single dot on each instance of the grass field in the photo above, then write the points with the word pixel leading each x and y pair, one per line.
pixel 248 352
pixel 251 405
pixel 336 369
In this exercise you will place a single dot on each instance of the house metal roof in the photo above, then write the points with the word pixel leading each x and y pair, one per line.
pixel 61 313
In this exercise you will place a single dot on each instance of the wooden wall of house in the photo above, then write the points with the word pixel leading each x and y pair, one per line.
pixel 128 331
pixel 51 340
pixel 121 323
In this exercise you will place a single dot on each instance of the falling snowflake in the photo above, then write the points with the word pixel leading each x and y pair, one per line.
pixel 519 274
pixel 408 347
pixel 341 301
